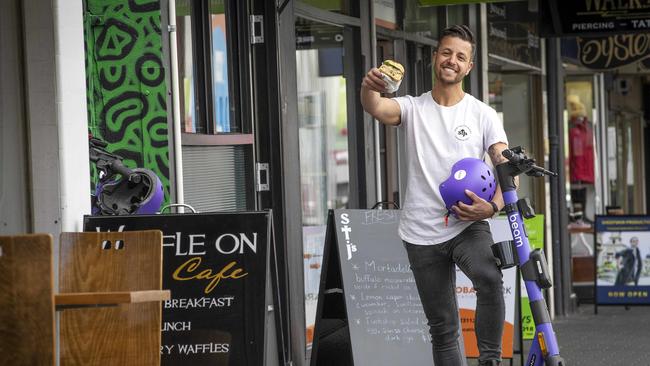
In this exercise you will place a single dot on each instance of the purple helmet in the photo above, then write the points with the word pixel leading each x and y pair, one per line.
pixel 468 174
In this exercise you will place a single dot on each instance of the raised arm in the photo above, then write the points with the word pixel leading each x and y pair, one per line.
pixel 385 110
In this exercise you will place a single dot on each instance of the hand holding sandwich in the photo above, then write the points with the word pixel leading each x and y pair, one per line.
pixel 374 80
pixel 385 79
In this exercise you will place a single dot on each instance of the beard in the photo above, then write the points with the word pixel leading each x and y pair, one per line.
pixel 459 76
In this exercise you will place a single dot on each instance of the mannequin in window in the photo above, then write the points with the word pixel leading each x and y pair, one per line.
pixel 581 142
pixel 631 264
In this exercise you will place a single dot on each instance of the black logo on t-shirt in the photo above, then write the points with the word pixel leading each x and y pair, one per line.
pixel 462 132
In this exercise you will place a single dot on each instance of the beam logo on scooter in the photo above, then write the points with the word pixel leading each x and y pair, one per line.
pixel 514 228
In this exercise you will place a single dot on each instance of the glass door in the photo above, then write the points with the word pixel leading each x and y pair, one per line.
pixel 623 147
pixel 216 134
pixel 510 96
pixel 322 99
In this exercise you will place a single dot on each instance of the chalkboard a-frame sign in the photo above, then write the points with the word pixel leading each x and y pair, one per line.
pixel 217 268
pixel 369 311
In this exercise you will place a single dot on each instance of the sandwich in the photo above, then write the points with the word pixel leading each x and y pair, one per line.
pixel 392 69
pixel 393 74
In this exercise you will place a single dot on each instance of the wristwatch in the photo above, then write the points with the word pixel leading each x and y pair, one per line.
pixel 494 207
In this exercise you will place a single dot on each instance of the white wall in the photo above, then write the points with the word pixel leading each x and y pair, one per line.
pixel 14 195
pixel 44 169
pixel 43 134
pixel 72 113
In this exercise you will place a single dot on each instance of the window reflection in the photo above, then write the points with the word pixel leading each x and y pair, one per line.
pixel 510 96
pixel 421 17
pixel 205 66
pixel 322 116
pixel 621 161
pixel 219 66
pixel 185 66
pixel 579 146
pixel 337 6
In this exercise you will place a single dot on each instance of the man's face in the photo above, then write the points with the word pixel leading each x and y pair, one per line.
pixel 634 242
pixel 453 60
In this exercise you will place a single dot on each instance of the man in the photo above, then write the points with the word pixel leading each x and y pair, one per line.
pixel 433 123
pixel 631 260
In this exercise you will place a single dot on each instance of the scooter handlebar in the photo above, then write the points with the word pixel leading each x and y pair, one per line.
pixel 541 170
pixel 517 157
pixel 511 156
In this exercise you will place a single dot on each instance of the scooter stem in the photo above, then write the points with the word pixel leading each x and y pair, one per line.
pixel 532 264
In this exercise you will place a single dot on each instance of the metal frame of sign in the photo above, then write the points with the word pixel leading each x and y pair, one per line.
pixel 221 269
pixel 623 223
pixel 331 284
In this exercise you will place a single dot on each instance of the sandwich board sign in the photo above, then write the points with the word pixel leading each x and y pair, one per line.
pixel 369 311
pixel 217 267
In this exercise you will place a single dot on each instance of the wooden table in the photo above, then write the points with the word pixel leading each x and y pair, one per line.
pixel 89 299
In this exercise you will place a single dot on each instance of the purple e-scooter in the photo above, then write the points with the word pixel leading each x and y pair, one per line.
pixel 534 270
pixel 122 190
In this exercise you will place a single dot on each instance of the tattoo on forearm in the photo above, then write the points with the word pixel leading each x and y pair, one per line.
pixel 495 155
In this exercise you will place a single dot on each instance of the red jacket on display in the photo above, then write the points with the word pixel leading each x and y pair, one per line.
pixel 581 150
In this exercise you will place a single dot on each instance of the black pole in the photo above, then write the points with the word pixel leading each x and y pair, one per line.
pixel 562 286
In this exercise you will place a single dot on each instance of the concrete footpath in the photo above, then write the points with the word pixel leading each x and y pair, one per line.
pixel 613 337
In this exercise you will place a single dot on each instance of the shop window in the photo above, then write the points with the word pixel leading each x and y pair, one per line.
pixel 455 15
pixel 323 82
pixel 623 172
pixel 513 35
pixel 217 145
pixel 580 154
pixel 207 66
pixel 336 6
pixel 624 155
pixel 510 95
pixel 419 17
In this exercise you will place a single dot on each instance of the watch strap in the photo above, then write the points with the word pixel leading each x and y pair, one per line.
pixel 494 206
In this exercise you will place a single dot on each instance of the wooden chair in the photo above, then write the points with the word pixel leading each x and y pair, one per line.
pixel 26 301
pixel 106 269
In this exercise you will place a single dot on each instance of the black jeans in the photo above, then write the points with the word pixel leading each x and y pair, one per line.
pixel 435 277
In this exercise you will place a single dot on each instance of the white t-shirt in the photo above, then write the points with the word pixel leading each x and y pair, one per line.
pixel 436 138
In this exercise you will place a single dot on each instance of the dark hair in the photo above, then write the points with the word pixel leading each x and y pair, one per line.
pixel 460 31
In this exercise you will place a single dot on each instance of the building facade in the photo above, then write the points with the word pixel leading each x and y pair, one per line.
pixel 254 105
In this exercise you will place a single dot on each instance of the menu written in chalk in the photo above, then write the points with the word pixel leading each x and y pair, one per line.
pixel 215 265
pixel 387 325
pixel 383 302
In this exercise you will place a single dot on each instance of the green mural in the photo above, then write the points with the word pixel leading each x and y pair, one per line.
pixel 125 82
